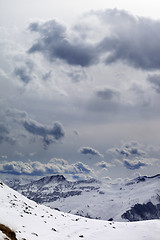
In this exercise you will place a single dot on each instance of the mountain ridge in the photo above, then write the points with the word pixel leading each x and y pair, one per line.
pixel 94 199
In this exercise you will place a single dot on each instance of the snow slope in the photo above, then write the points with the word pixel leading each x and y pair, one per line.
pixel 93 199
pixel 31 221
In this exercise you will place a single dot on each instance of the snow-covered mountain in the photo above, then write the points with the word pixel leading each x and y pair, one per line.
pixel 23 219
pixel 138 199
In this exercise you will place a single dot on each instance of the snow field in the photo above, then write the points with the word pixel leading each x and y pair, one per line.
pixel 31 221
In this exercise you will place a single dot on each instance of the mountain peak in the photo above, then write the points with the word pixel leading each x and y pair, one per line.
pixel 58 178
pixel 53 178
pixel 142 179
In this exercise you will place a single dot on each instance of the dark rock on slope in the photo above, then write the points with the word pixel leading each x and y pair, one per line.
pixel 143 212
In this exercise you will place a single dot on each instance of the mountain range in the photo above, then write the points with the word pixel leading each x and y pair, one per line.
pixel 138 199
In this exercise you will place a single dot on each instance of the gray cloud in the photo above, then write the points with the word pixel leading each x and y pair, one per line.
pixel 22 74
pixel 82 168
pixel 3 130
pixel 49 134
pixel 77 75
pixel 128 150
pixel 132 155
pixel 76 132
pixel 47 75
pixel 106 100
pixel 103 165
pixel 107 94
pixel 5 134
pixel 54 44
pixel 141 97
pixel 134 165
pixel 155 81
pixel 133 40
pixel 16 113
pixel 90 151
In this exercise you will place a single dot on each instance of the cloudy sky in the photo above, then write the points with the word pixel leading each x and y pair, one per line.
pixel 80 88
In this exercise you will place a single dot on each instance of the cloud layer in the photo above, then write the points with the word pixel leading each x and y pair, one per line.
pixel 54 166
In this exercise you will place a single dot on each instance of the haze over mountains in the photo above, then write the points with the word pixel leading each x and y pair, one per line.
pixel 136 200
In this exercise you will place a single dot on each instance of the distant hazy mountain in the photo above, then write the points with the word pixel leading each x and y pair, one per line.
pixel 23 219
pixel 136 200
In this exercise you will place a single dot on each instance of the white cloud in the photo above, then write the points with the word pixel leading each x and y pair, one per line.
pixel 54 166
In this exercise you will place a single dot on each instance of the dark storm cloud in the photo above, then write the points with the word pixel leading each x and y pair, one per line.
pixel 5 134
pixel 133 40
pixel 107 94
pixel 49 134
pixel 90 151
pixel 155 81
pixel 133 166
pixel 54 44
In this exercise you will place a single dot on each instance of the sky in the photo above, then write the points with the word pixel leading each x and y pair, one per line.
pixel 79 88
